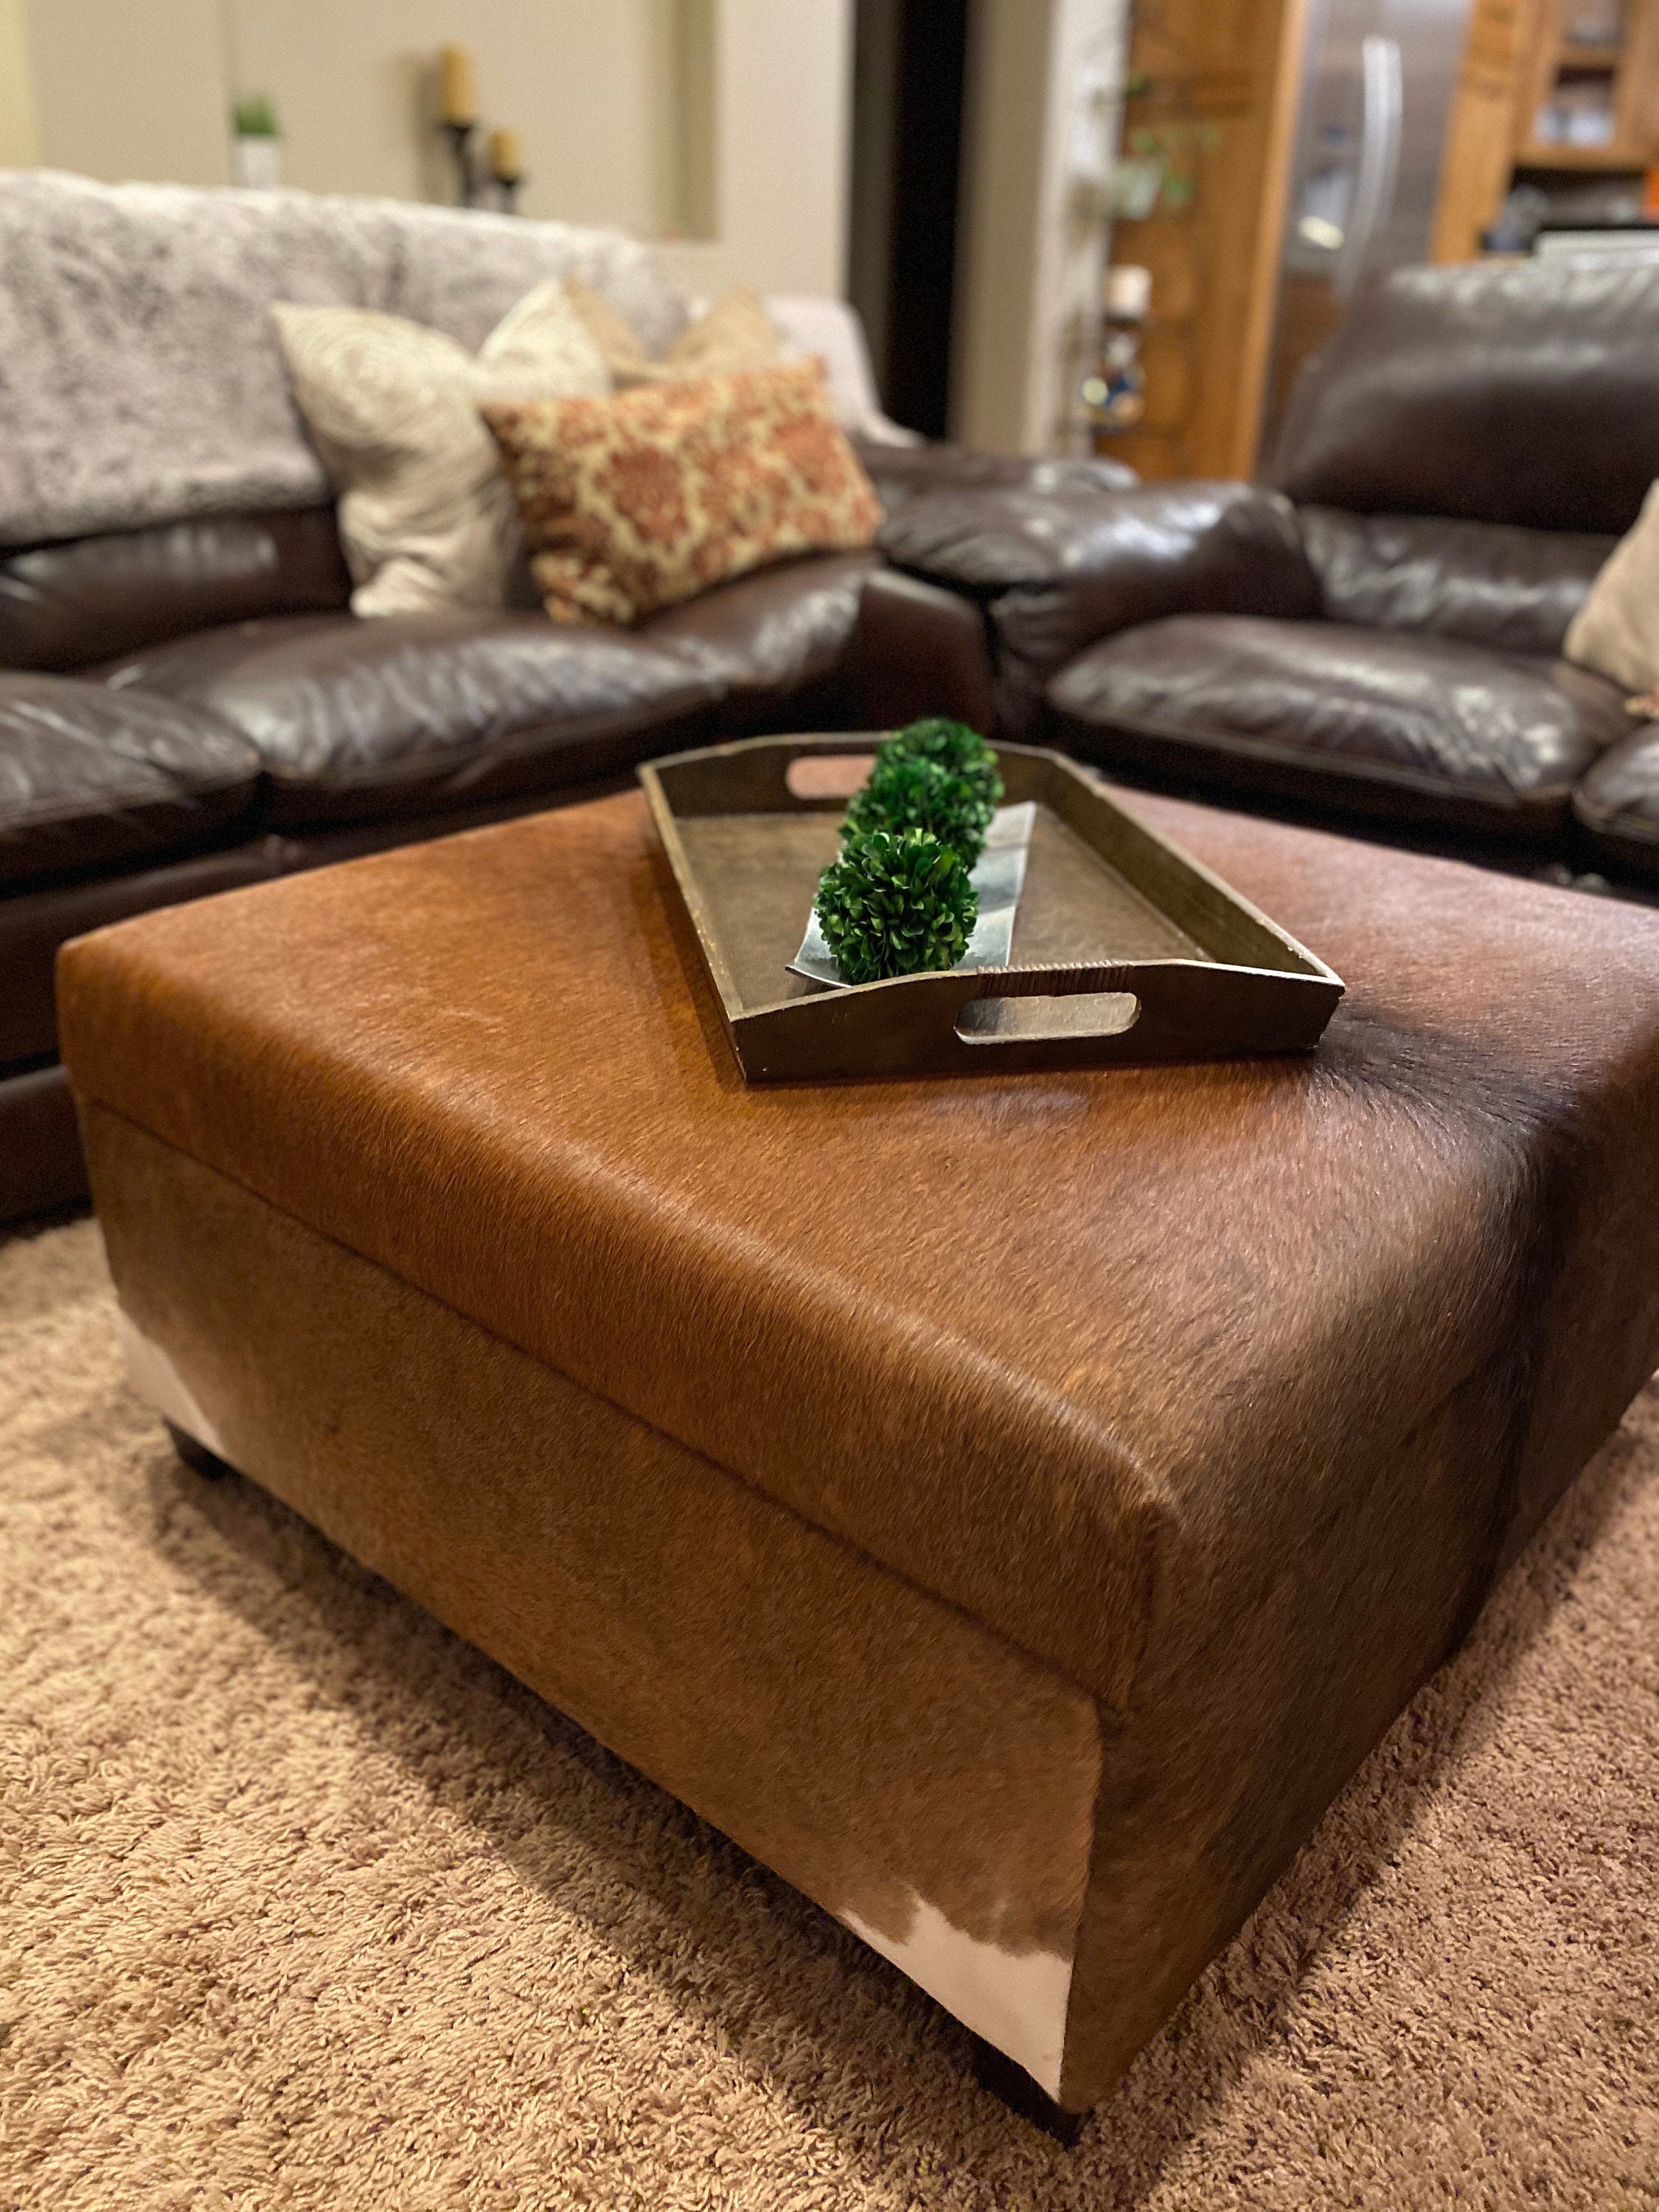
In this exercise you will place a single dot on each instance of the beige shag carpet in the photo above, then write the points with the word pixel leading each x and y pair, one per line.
pixel 308 1905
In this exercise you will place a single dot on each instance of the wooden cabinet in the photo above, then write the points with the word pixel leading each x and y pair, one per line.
pixel 1553 92
pixel 1479 160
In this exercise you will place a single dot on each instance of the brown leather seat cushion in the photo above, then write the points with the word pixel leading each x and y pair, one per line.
pixel 408 716
pixel 1617 804
pixel 774 641
pixel 65 606
pixel 92 778
pixel 1394 724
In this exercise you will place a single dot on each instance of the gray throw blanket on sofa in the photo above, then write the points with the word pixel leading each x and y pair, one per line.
pixel 140 378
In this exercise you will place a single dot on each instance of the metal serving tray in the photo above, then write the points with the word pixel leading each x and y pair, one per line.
pixel 1125 950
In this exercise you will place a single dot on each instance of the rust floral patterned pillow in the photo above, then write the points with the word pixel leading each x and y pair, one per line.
pixel 640 500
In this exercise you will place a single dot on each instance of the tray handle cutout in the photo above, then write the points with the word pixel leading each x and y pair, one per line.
pixel 828 775
pixel 1070 1014
pixel 1115 1015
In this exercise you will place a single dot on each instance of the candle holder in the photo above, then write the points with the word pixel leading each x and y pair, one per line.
pixel 474 184
pixel 468 184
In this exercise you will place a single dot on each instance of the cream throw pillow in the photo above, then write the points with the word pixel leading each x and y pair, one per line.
pixel 735 334
pixel 426 519
pixel 1616 631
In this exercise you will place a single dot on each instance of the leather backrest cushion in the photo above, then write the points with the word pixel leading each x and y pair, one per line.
pixel 67 606
pixel 1520 393
pixel 1488 583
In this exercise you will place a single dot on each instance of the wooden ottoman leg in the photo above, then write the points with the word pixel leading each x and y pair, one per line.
pixel 1013 2085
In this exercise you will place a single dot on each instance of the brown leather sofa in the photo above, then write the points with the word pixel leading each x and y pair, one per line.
pixel 188 709
pixel 1371 635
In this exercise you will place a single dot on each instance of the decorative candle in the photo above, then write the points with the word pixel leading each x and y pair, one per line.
pixel 507 155
pixel 458 97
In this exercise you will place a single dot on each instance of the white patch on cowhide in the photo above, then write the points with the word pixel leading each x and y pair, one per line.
pixel 1016 2000
pixel 152 1374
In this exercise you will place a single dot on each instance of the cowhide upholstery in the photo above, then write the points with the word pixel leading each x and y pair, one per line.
pixel 1011 1508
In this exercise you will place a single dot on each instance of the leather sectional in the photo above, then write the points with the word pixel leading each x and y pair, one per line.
pixel 191 707
pixel 1372 635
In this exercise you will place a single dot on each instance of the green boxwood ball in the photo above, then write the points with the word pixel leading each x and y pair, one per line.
pixel 895 906
pixel 954 746
pixel 907 791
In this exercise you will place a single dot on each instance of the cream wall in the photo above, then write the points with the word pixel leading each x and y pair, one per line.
pixel 1032 242
pixel 131 87
pixel 996 261
pixel 19 133
pixel 350 81
pixel 783 130
pixel 143 88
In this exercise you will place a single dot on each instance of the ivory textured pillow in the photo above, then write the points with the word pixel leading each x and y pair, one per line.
pixel 426 520
pixel 1616 631
pixel 737 333
pixel 637 502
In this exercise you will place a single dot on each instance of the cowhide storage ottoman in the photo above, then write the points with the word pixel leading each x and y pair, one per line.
pixel 1010 1508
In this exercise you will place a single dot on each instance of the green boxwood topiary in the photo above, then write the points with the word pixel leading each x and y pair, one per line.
pixel 896 905
pixel 907 791
pixel 954 746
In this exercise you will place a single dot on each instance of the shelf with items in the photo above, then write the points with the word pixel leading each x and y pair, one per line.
pixel 1573 109
pixel 1209 118
pixel 1552 92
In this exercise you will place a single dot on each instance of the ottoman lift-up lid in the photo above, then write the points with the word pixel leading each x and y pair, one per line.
pixel 1051 1347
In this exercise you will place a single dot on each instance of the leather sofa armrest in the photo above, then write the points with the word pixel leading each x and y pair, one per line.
pixel 919 650
pixel 902 474
pixel 1134 552
pixel 1060 572
pixel 1164 550
pixel 1145 543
